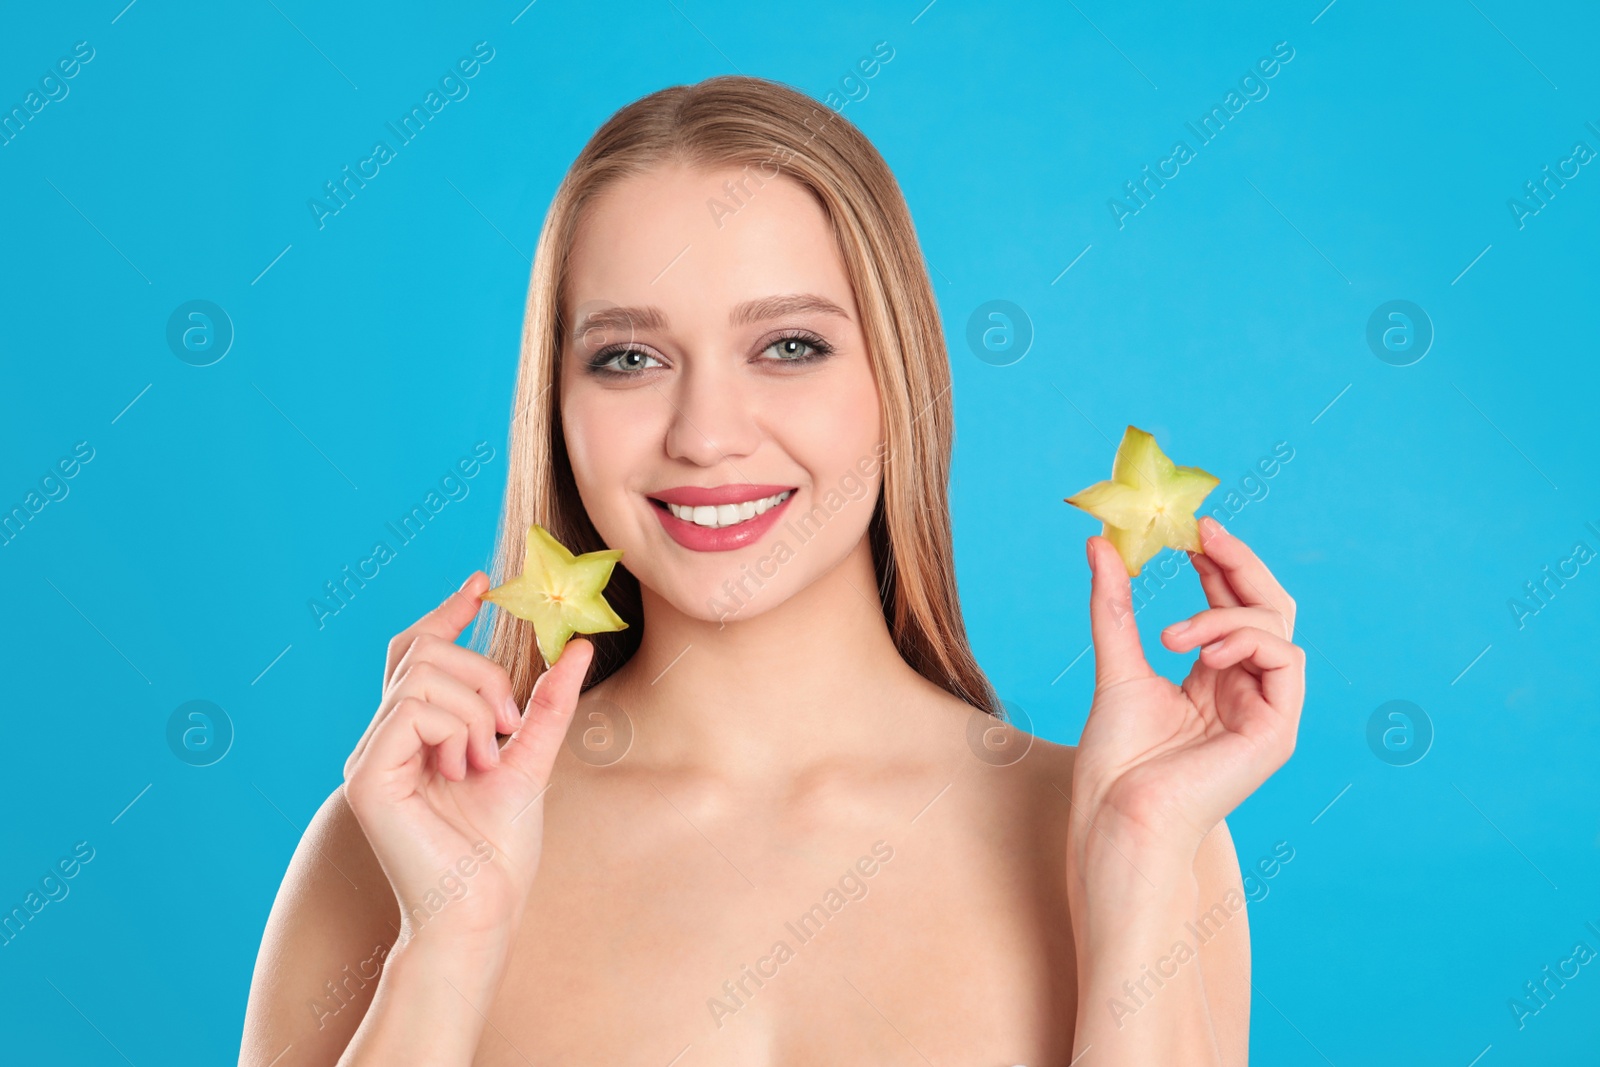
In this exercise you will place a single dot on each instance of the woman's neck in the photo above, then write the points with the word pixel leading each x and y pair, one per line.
pixel 812 682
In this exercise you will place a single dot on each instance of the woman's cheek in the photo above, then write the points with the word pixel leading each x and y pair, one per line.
pixel 857 430
pixel 834 418
pixel 604 449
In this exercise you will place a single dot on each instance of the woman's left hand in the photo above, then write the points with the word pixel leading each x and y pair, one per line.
pixel 1158 764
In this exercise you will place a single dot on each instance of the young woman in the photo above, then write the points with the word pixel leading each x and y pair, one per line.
pixel 789 826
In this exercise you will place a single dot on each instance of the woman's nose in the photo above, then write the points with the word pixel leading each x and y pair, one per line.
pixel 712 418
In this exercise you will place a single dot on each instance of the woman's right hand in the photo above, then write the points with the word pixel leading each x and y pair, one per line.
pixel 442 805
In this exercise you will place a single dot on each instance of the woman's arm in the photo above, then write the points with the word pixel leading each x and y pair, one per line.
pixel 324 949
pixel 1225 951
pixel 391 931
pixel 331 985
pixel 431 1005
pixel 1154 888
pixel 1163 956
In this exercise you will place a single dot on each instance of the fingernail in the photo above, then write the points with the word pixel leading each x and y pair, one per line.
pixel 1213 646
pixel 1088 549
pixel 513 716
pixel 468 582
pixel 494 752
pixel 1177 627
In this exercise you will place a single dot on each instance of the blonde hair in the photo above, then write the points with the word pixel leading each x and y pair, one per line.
pixel 772 130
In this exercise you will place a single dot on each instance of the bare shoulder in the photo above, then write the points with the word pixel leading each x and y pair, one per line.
pixel 1043 766
pixel 331 927
pixel 1047 769
pixel 997 745
pixel 1054 761
pixel 1008 772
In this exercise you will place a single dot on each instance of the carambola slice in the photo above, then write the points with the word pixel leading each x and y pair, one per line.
pixel 1149 503
pixel 559 593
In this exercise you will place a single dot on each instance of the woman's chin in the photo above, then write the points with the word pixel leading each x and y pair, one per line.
pixel 718 594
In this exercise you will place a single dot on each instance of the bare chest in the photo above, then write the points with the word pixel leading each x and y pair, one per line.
pixel 696 935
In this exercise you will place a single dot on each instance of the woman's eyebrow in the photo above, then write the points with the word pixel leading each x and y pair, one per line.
pixel 633 319
pixel 773 307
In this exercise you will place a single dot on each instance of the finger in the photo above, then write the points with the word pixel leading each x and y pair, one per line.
pixel 420 674
pixel 1280 664
pixel 1252 583
pixel 446 621
pixel 1204 627
pixel 1118 656
pixel 532 749
pixel 1219 593
pixel 408 734
pixel 438 687
pixel 478 671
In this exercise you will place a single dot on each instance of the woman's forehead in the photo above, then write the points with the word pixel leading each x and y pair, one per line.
pixel 693 236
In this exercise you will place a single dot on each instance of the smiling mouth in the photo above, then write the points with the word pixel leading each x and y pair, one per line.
pixel 722 516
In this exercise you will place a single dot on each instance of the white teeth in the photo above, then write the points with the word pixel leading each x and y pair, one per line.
pixel 722 515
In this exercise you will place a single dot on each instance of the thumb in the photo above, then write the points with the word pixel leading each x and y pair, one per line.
pixel 533 747
pixel 1118 655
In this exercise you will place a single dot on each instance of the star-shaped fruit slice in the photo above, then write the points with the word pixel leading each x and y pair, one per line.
pixel 1149 503
pixel 559 592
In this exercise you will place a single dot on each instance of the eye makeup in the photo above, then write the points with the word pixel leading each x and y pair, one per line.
pixel 604 362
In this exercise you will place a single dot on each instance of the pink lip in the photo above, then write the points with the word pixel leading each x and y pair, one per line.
pixel 699 538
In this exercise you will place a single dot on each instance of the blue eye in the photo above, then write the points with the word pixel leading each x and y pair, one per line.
pixel 791 348
pixel 622 361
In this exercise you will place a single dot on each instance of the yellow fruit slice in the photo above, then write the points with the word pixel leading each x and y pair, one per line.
pixel 559 592
pixel 1149 503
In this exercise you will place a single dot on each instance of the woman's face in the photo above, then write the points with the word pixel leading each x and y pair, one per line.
pixel 717 402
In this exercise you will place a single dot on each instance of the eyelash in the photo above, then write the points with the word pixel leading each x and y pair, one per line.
pixel 820 350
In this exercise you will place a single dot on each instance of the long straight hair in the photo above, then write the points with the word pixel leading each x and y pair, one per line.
pixel 768 130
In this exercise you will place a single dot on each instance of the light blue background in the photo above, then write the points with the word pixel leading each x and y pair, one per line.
pixel 1225 316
